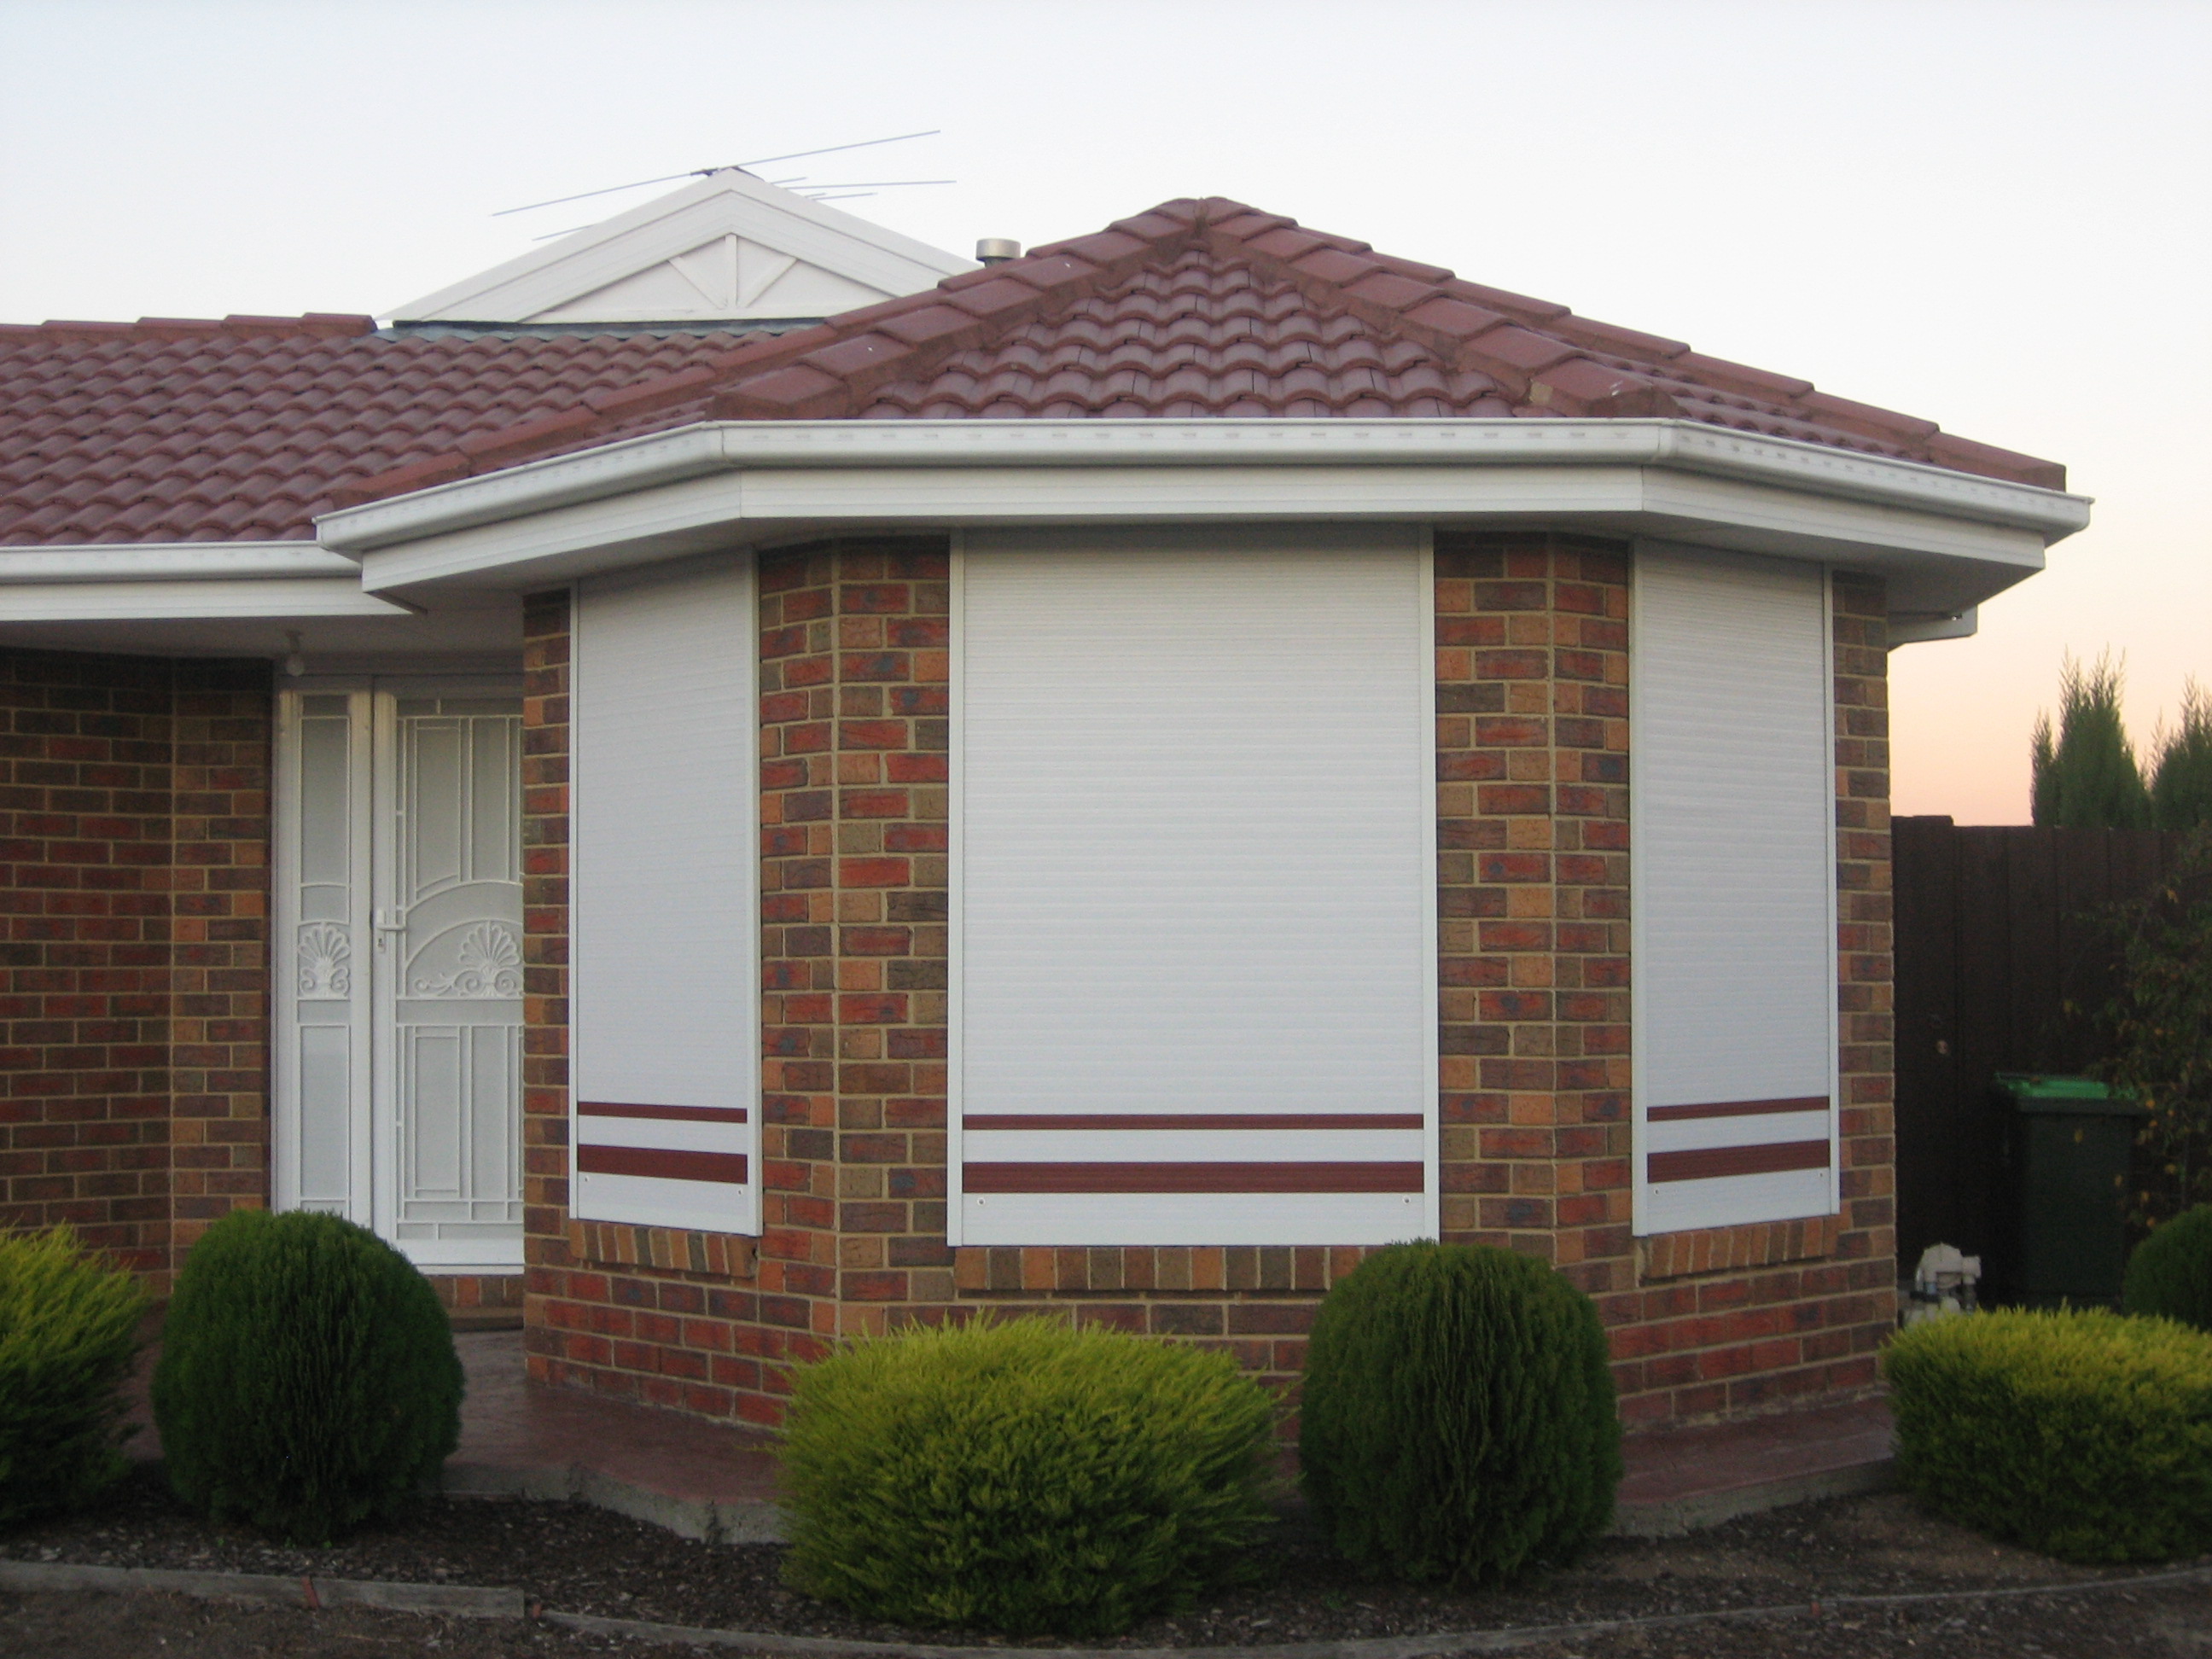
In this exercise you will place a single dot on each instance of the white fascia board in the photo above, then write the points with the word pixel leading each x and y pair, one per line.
pixel 1929 563
pixel 1932 562
pixel 140 601
pixel 725 203
pixel 722 509
pixel 171 561
pixel 751 446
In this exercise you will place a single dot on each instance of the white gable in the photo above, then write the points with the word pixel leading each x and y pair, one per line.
pixel 727 248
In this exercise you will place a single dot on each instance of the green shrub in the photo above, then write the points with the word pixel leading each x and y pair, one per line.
pixel 307 1380
pixel 1457 1424
pixel 2170 1274
pixel 2084 1433
pixel 1022 1476
pixel 69 1326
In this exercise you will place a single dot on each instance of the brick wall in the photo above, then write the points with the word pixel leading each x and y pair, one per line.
pixel 219 983
pixel 1532 741
pixel 134 840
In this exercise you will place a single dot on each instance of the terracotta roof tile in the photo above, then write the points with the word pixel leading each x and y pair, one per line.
pixel 246 427
pixel 1213 308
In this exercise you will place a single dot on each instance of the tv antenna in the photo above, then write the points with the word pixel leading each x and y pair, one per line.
pixel 758 161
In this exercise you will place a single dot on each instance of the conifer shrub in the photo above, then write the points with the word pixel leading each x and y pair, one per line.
pixel 1022 1476
pixel 2170 1274
pixel 2083 1433
pixel 2086 776
pixel 308 1381
pixel 2181 779
pixel 1457 1424
pixel 68 1324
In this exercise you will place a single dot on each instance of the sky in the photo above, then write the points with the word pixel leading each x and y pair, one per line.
pixel 1994 216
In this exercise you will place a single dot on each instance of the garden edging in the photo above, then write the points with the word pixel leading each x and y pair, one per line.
pixel 454 1601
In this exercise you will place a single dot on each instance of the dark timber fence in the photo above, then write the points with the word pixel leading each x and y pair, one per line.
pixel 1995 938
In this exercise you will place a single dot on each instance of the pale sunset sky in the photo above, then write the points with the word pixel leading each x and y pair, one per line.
pixel 1994 216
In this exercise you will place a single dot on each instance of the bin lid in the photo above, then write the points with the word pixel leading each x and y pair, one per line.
pixel 2035 1091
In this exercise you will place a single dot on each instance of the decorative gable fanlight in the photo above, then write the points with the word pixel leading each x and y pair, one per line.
pixel 729 248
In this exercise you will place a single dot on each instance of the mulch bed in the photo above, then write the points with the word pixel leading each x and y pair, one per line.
pixel 576 1558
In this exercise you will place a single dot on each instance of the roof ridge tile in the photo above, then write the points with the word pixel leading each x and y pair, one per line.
pixel 1502 299
pixel 1885 421
pixel 313 325
pixel 1739 376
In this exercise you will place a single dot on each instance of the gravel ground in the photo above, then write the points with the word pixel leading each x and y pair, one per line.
pixel 2115 1625
pixel 580 1560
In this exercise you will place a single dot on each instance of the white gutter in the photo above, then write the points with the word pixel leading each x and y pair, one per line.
pixel 699 451
pixel 164 562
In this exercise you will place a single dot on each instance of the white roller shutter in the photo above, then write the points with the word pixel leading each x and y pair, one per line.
pixel 665 999
pixel 1194 889
pixel 1732 810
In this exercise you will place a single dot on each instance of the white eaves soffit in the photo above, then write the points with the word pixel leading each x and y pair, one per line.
pixel 730 248
pixel 1944 540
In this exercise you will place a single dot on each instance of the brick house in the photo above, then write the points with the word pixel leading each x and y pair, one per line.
pixel 1114 781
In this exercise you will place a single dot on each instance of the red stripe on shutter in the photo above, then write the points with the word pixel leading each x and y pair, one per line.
pixel 1192 1178
pixel 1736 1109
pixel 663 1113
pixel 1193 1120
pixel 1707 1162
pixel 723 1169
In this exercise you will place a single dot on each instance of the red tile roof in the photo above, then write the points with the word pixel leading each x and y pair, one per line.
pixel 245 429
pixel 242 430
pixel 1213 308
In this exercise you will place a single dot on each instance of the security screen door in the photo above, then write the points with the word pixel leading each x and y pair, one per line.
pixel 400 965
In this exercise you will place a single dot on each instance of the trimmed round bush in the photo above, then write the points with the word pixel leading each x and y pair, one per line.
pixel 69 1326
pixel 2083 1433
pixel 2170 1274
pixel 1457 1424
pixel 308 1381
pixel 1022 1476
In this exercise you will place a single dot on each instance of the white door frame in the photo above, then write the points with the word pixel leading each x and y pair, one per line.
pixel 371 866
pixel 331 968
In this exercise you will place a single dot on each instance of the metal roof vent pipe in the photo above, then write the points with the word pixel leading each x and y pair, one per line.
pixel 996 251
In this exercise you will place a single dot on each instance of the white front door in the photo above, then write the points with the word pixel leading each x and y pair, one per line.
pixel 398 1077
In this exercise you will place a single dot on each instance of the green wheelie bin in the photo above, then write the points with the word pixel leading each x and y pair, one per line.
pixel 2066 1146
